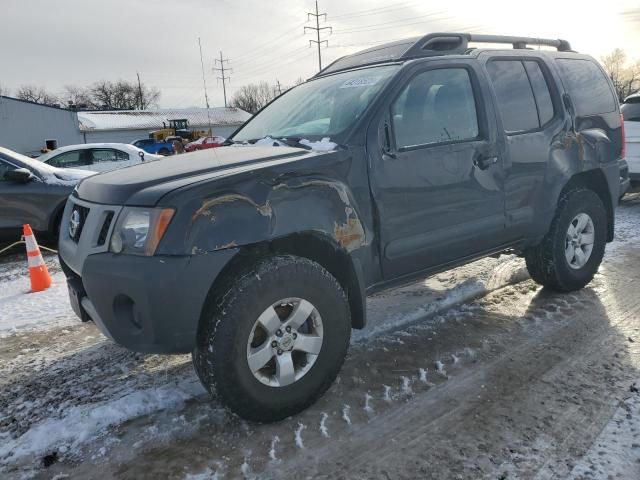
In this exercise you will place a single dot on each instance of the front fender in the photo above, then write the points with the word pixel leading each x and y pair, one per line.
pixel 259 212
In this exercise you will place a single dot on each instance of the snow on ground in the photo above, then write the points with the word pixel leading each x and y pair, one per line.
pixel 614 453
pixel 83 423
pixel 114 385
pixel 20 309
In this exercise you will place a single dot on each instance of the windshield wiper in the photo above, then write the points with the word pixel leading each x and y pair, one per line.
pixel 293 142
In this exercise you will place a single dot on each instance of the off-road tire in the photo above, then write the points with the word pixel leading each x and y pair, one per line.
pixel 547 263
pixel 220 356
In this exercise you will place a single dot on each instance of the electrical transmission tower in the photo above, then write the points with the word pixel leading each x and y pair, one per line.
pixel 224 78
pixel 317 29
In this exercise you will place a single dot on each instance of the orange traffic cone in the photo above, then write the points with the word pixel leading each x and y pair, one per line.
pixel 40 278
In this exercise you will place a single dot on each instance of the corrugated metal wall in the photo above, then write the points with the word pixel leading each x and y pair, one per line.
pixel 25 126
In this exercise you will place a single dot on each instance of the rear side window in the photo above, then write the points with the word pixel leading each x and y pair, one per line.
pixel 540 91
pixel 108 155
pixel 514 94
pixel 588 87
pixel 631 112
pixel 436 106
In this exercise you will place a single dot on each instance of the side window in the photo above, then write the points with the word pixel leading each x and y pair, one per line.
pixel 540 91
pixel 515 98
pixel 631 112
pixel 75 158
pixel 588 86
pixel 4 168
pixel 108 155
pixel 436 106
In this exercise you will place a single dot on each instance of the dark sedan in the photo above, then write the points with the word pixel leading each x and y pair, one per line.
pixel 32 192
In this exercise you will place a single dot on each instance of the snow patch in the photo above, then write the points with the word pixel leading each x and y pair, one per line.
pixel 323 425
pixel 367 403
pixel 345 414
pixel 423 375
pixel 298 435
pixel 272 450
pixel 83 423
pixel 324 145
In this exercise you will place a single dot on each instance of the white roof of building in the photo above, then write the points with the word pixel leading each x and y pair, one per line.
pixel 152 119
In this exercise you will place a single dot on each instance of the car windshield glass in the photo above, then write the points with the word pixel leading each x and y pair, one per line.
pixel 323 107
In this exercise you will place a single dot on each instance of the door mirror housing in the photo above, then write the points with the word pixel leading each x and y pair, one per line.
pixel 19 175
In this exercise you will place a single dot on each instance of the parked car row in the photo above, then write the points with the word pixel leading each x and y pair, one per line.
pixel 97 157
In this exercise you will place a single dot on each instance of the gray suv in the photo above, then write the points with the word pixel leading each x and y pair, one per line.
pixel 389 165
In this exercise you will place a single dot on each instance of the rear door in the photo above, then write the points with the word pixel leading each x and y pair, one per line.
pixel 529 118
pixel 435 175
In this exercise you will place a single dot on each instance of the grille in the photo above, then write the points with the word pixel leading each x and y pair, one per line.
pixel 76 222
pixel 102 238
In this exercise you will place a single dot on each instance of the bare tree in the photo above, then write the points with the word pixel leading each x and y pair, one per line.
pixel 36 94
pixel 624 75
pixel 75 96
pixel 123 95
pixel 3 90
pixel 254 96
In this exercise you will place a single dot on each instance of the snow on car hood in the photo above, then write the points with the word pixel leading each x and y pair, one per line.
pixel 64 176
pixel 324 145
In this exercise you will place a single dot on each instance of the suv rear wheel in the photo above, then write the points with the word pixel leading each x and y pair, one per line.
pixel 569 255
pixel 272 341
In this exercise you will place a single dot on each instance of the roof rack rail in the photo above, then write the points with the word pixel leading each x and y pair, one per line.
pixel 448 43
pixel 431 45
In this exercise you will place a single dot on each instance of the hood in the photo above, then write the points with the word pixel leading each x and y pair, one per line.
pixel 144 184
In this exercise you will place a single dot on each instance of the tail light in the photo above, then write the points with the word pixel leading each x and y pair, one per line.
pixel 623 152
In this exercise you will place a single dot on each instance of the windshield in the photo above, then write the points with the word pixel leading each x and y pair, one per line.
pixel 323 107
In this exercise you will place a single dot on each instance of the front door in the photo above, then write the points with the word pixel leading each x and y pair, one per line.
pixel 436 175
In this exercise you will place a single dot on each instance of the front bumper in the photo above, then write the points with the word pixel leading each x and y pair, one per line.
pixel 146 304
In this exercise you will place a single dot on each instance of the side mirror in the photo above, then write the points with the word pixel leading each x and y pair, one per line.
pixel 19 175
pixel 141 156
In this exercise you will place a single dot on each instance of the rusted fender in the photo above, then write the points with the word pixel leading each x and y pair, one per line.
pixel 240 217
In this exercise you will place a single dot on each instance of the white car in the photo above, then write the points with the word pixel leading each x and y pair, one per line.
pixel 97 157
pixel 631 113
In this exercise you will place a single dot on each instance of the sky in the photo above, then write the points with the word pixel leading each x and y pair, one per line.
pixel 55 43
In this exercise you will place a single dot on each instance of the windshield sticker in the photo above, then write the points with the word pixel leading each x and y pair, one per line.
pixel 360 82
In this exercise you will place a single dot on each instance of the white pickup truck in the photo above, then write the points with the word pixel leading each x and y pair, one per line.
pixel 631 112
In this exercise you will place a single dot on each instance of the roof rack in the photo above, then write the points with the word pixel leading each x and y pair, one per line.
pixel 434 44
pixel 451 43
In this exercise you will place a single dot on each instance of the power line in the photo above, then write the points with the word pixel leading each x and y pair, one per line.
pixel 224 79
pixel 317 29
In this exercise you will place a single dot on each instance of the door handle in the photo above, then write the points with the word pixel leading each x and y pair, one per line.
pixel 483 162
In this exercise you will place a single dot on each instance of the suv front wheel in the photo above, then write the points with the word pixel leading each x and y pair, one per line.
pixel 272 341
pixel 570 254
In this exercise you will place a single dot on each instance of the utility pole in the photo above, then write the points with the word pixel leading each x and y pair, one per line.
pixel 140 92
pixel 224 79
pixel 317 29
pixel 278 87
pixel 204 82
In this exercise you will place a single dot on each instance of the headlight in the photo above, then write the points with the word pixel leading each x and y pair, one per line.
pixel 138 231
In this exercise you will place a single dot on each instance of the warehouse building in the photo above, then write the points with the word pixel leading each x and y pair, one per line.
pixel 126 126
pixel 26 127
